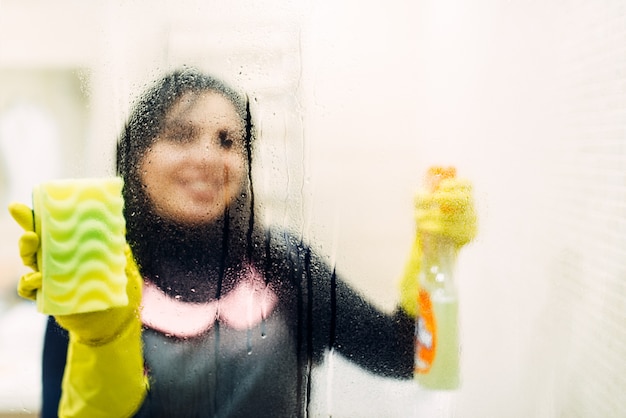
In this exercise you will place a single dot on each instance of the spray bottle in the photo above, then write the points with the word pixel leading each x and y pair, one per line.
pixel 437 332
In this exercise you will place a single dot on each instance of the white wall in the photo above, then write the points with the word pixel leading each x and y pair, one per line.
pixel 354 100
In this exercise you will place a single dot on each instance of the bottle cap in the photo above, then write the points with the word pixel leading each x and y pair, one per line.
pixel 436 173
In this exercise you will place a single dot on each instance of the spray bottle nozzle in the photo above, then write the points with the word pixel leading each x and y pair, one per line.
pixel 436 173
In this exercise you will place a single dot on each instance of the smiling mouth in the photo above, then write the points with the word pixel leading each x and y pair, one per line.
pixel 201 189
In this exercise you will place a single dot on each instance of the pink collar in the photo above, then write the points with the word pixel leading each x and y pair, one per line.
pixel 249 303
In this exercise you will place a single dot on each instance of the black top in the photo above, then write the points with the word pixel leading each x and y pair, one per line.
pixel 263 369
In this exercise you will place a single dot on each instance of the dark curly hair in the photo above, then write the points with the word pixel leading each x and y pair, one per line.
pixel 147 232
pixel 147 118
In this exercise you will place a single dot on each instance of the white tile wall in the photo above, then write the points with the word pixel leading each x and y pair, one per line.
pixel 539 107
pixel 584 316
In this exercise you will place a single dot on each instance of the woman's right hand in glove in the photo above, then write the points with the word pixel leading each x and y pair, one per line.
pixel 28 244
pixel 92 328
pixel 104 375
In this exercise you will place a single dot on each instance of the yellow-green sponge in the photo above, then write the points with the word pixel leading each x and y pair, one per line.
pixel 81 257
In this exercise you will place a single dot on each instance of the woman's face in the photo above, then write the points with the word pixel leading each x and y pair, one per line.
pixel 195 168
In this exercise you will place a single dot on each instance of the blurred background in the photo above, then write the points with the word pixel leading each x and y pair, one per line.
pixel 353 101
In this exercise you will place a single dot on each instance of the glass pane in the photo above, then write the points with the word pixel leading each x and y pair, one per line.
pixel 351 103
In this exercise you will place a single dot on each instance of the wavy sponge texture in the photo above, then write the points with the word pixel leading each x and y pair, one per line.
pixel 81 257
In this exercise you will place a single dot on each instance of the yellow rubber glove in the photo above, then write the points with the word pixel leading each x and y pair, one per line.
pixel 28 243
pixel 447 211
pixel 104 375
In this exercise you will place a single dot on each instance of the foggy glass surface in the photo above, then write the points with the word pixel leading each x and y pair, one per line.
pixel 352 102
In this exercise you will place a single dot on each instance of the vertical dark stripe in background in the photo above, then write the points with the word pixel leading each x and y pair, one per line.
pixel 248 144
pixel 309 327
pixel 333 309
